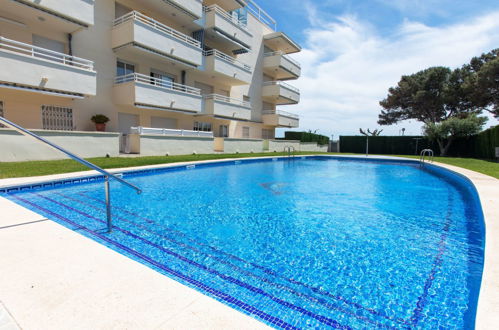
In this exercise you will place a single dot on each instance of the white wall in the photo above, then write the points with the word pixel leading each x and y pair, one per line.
pixel 279 145
pixel 158 145
pixel 16 147
pixel 232 146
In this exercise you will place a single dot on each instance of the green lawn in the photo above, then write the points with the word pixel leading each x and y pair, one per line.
pixel 487 167
pixel 35 168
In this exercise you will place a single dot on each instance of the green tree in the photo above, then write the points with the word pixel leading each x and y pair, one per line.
pixel 482 82
pixel 449 129
pixel 428 96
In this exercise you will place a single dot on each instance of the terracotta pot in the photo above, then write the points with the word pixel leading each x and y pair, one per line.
pixel 100 127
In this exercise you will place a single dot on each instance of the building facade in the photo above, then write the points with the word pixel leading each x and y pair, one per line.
pixel 175 65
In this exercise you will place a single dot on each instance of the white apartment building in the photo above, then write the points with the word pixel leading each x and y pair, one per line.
pixel 214 66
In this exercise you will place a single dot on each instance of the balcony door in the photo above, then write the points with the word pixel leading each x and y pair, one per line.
pixel 162 79
pixel 123 68
pixel 51 46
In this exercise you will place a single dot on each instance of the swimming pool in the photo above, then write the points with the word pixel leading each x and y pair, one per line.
pixel 315 242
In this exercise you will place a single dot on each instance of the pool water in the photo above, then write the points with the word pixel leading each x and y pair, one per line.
pixel 305 243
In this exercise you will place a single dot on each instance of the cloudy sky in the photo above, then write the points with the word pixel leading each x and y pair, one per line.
pixel 353 51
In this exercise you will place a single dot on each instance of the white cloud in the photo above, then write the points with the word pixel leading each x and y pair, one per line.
pixel 347 67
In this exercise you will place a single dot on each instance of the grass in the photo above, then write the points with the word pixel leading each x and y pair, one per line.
pixel 487 167
pixel 36 168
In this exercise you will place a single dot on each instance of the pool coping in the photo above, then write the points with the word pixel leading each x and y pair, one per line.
pixel 486 186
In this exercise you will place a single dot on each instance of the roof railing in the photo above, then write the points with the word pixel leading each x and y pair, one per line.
pixel 282 84
pixel 142 78
pixel 261 15
pixel 226 99
pixel 45 54
pixel 281 53
pixel 227 58
pixel 107 175
pixel 137 16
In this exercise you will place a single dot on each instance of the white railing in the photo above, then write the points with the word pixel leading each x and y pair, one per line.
pixel 45 54
pixel 282 84
pixel 281 53
pixel 168 131
pixel 226 99
pixel 227 58
pixel 136 16
pixel 232 19
pixel 261 15
pixel 142 78
pixel 280 113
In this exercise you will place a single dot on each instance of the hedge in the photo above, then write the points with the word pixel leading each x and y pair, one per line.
pixel 306 137
pixel 481 145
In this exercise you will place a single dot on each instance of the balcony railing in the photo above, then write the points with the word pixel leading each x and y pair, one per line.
pixel 136 16
pixel 284 56
pixel 142 78
pixel 168 131
pixel 45 54
pixel 232 19
pixel 282 84
pixel 280 113
pixel 261 15
pixel 227 58
pixel 226 99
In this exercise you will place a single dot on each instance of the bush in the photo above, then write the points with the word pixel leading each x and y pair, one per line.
pixel 306 137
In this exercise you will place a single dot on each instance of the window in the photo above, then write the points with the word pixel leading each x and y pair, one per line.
pixel 162 79
pixel 246 98
pixel 267 134
pixel 123 68
pixel 200 126
pixel 223 131
pixel 57 118
pixel 246 132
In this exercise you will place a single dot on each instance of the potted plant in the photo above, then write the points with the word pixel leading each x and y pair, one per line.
pixel 100 122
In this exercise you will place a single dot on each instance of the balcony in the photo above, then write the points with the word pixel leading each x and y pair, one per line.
pixel 37 69
pixel 226 29
pixel 227 5
pixel 183 11
pixel 228 70
pixel 169 132
pixel 137 34
pixel 278 92
pixel 278 118
pixel 280 66
pixel 66 16
pixel 226 107
pixel 279 41
pixel 142 91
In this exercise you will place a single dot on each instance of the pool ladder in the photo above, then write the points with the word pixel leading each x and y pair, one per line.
pixel 290 150
pixel 425 153
pixel 107 175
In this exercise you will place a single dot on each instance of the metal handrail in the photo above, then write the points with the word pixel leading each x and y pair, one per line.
pixel 423 154
pixel 280 113
pixel 45 54
pixel 227 58
pixel 107 175
pixel 261 15
pixel 226 99
pixel 289 148
pixel 283 55
pixel 137 16
pixel 142 78
pixel 282 84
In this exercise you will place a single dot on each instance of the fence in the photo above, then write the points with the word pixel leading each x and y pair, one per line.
pixel 481 145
